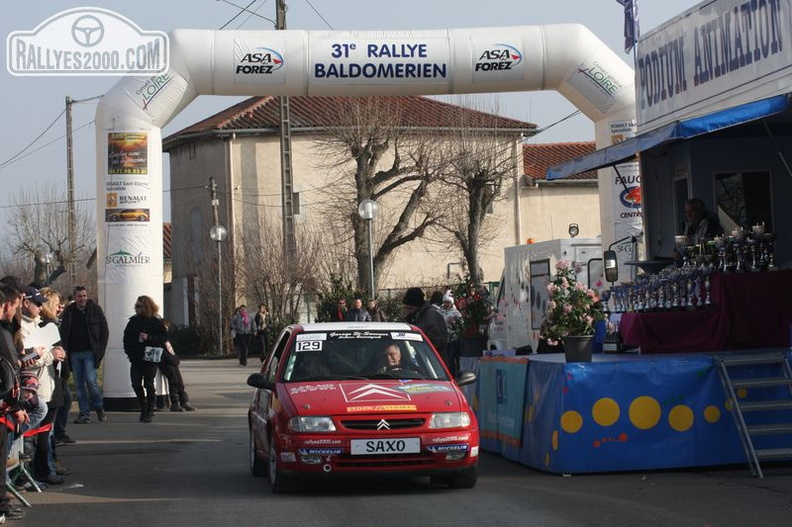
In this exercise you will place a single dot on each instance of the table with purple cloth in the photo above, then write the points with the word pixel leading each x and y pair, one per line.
pixel 749 310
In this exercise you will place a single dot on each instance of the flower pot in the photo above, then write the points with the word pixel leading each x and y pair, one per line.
pixel 577 348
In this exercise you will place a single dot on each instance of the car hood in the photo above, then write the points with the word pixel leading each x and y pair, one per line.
pixel 361 397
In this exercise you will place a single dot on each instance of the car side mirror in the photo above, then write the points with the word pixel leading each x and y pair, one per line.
pixel 611 266
pixel 465 377
pixel 257 380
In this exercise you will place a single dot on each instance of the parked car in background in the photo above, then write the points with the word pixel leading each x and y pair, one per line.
pixel 360 398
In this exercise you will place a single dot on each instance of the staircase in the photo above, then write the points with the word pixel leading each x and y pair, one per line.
pixel 770 393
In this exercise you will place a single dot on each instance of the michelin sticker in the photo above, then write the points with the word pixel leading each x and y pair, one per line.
pixel 311 336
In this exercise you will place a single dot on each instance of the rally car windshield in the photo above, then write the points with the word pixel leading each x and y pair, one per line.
pixel 337 355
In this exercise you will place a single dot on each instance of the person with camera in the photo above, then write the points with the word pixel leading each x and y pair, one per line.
pixel 144 335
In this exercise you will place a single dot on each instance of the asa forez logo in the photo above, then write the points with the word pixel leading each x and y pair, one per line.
pixel 262 61
pixel 126 258
pixel 499 57
pixel 87 41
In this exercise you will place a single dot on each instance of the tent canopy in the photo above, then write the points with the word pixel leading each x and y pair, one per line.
pixel 678 130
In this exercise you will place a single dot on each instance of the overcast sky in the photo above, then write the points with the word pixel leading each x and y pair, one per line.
pixel 31 104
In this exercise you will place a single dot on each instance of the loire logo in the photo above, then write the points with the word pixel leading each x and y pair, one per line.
pixel 372 392
pixel 601 78
pixel 87 41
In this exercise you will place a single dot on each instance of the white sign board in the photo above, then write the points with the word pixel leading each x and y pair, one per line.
pixel 697 62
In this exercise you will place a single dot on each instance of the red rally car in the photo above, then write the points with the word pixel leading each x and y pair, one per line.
pixel 360 398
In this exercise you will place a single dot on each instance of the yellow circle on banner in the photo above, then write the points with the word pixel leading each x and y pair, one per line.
pixel 681 418
pixel 712 414
pixel 571 422
pixel 645 412
pixel 529 417
pixel 554 440
pixel 742 393
pixel 605 412
pixel 547 459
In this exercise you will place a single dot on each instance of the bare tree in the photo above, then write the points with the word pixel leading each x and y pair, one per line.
pixel 40 228
pixel 374 151
pixel 476 163
pixel 265 275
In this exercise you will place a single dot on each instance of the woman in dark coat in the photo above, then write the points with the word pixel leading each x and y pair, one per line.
pixel 144 329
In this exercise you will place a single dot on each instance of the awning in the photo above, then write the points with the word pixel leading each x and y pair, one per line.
pixel 685 129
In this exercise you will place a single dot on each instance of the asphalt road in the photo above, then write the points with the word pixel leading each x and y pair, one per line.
pixel 191 469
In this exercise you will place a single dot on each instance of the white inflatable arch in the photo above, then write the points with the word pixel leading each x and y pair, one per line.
pixel 567 58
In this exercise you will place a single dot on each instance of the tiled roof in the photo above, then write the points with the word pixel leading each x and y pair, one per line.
pixel 538 157
pixel 317 112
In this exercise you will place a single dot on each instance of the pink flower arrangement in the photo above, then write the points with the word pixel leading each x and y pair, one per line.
pixel 572 308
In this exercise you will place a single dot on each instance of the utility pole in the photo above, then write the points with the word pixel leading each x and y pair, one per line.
pixel 287 179
pixel 218 233
pixel 70 190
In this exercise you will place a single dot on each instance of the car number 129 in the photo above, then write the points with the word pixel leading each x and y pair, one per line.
pixel 369 447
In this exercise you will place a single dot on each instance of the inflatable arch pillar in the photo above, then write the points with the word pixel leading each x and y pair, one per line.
pixel 567 58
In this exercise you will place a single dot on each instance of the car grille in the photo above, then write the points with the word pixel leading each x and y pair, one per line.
pixel 396 461
pixel 374 424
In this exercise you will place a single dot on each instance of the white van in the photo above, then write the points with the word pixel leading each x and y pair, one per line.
pixel 522 295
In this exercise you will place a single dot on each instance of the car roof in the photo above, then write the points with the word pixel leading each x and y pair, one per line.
pixel 356 326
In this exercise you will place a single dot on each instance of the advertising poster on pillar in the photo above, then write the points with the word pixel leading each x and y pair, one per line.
pixel 626 187
pixel 127 153
pixel 129 255
pixel 127 200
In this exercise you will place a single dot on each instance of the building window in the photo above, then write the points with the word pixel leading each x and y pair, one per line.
pixel 743 199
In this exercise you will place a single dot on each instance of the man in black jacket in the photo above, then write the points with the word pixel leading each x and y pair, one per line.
pixel 84 333
pixel 10 411
pixel 427 317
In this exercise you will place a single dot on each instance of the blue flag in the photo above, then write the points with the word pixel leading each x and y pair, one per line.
pixel 631 29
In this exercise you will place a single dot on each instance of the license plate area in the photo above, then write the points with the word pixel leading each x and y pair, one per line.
pixel 385 446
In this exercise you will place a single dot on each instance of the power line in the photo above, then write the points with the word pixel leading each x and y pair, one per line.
pixel 236 16
pixel 245 9
pixel 18 156
pixel 251 15
pixel 573 114
pixel 8 163
pixel 319 14
pixel 4 163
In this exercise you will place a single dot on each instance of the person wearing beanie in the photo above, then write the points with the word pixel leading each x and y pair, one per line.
pixel 427 318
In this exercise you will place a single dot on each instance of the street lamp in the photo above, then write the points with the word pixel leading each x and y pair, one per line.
pixel 48 256
pixel 218 233
pixel 368 210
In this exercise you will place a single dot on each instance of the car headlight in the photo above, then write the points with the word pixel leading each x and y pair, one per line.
pixel 450 420
pixel 311 424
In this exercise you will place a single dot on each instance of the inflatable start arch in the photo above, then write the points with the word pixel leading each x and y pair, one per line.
pixel 567 58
